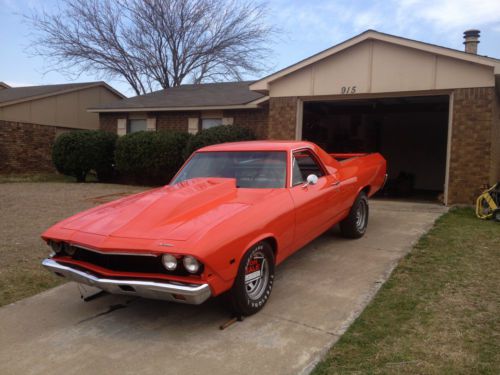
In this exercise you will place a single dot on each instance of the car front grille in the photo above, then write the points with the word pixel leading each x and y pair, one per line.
pixel 125 263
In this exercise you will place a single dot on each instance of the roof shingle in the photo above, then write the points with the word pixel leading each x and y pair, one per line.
pixel 15 94
pixel 201 95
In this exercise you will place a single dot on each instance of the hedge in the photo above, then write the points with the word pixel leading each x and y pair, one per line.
pixel 142 157
pixel 77 153
pixel 150 157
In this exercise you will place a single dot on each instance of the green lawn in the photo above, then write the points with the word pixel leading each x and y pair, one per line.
pixel 439 313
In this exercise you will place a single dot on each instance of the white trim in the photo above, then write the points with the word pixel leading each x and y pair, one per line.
pixel 299 120
pixel 151 124
pixel 193 125
pixel 227 120
pixel 298 130
pixel 263 84
pixel 121 126
pixel 250 105
pixel 448 149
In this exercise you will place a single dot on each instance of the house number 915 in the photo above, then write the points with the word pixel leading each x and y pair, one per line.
pixel 348 90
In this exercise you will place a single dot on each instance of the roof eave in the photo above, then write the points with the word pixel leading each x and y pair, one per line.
pixel 251 105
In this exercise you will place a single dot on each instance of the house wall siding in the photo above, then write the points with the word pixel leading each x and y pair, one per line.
pixel 27 148
pixel 471 154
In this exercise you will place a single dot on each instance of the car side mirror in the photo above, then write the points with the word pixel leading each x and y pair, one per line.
pixel 312 179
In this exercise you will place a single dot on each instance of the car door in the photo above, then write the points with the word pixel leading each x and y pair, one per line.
pixel 316 206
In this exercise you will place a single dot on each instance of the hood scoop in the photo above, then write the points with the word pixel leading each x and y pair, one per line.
pixel 156 214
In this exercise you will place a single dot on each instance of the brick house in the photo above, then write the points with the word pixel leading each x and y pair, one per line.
pixel 433 112
pixel 31 117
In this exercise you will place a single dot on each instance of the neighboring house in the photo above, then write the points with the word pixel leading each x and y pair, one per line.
pixel 3 85
pixel 433 112
pixel 31 117
pixel 188 108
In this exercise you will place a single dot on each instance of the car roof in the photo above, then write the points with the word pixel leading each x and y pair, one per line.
pixel 258 146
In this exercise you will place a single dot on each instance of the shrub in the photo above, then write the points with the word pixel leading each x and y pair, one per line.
pixel 150 157
pixel 218 134
pixel 104 164
pixel 76 153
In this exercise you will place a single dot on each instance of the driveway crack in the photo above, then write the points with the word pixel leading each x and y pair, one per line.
pixel 301 324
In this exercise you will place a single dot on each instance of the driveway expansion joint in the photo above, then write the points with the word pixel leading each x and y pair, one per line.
pixel 300 324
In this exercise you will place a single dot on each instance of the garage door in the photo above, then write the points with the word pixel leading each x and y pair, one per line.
pixel 410 132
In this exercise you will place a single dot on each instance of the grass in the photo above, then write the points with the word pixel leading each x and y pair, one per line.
pixel 28 209
pixel 439 313
pixel 40 177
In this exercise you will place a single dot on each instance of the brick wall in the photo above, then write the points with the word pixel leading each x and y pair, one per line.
pixel 471 143
pixel 495 136
pixel 27 148
pixel 108 121
pixel 254 119
pixel 173 120
pixel 282 117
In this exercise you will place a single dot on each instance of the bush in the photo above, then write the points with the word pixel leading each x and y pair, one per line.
pixel 218 134
pixel 76 153
pixel 104 164
pixel 150 157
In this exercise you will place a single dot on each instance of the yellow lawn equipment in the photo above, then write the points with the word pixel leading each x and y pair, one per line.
pixel 488 203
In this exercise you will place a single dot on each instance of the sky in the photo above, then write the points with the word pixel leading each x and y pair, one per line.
pixel 307 27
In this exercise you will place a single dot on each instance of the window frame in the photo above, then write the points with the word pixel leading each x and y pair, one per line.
pixel 313 156
pixel 210 118
pixel 136 119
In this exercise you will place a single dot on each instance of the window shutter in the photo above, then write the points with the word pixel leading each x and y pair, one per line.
pixel 193 125
pixel 151 124
pixel 227 120
pixel 121 128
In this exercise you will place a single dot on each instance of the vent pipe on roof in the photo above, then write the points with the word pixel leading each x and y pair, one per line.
pixel 471 40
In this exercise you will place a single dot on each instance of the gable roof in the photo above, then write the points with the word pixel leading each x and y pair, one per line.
pixel 14 95
pixel 223 95
pixel 262 84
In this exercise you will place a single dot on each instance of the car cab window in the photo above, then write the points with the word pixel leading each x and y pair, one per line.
pixel 251 169
pixel 304 164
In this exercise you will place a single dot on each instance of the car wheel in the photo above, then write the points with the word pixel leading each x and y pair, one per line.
pixel 354 225
pixel 254 282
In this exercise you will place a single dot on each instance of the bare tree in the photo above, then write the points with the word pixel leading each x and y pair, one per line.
pixel 155 43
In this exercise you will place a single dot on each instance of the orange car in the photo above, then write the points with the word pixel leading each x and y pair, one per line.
pixel 231 214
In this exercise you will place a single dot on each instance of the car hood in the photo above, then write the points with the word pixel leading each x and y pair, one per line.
pixel 175 212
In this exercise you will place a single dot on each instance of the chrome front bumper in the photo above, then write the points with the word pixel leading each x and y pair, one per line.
pixel 183 293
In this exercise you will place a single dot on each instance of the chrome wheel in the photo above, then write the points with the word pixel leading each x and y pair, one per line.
pixel 361 215
pixel 256 275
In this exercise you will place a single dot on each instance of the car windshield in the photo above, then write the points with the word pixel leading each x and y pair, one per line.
pixel 251 169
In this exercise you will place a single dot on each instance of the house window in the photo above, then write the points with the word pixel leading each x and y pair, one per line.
pixel 207 123
pixel 136 125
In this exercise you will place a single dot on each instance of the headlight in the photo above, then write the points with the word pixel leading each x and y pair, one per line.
pixel 169 262
pixel 68 249
pixel 56 246
pixel 191 264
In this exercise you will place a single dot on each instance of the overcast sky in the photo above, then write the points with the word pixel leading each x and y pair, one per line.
pixel 308 26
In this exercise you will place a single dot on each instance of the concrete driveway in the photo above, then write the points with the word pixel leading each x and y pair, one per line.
pixel 318 292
